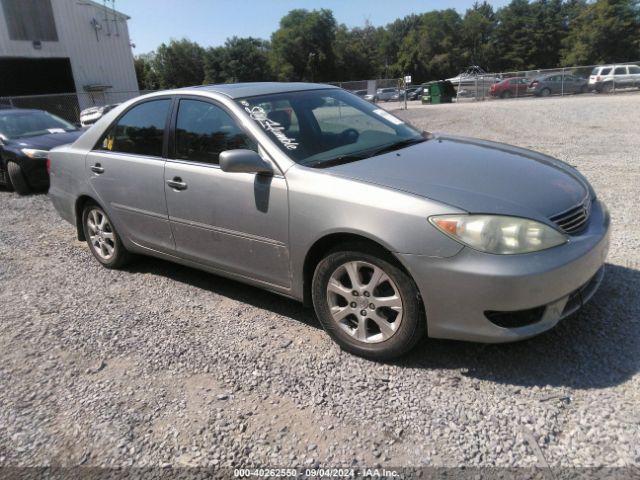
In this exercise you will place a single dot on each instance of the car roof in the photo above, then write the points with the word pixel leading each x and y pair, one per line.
pixel 252 89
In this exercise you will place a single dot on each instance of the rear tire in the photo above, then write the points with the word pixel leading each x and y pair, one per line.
pixel 102 238
pixel 545 92
pixel 16 176
pixel 506 94
pixel 348 312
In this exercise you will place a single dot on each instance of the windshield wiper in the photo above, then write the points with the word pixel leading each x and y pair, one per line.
pixel 339 160
pixel 397 146
pixel 353 157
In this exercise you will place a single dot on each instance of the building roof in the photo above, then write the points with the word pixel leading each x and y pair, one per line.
pixel 240 90
pixel 102 6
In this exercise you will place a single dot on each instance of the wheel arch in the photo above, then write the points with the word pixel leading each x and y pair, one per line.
pixel 330 242
pixel 81 202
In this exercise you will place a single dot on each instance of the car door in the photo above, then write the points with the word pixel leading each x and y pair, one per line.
pixel 126 171
pixel 634 75
pixel 523 83
pixel 236 222
pixel 620 77
pixel 570 84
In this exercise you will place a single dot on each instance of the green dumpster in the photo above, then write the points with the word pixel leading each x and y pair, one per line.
pixel 440 91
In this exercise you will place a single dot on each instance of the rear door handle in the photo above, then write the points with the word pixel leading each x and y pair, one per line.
pixel 177 184
pixel 97 168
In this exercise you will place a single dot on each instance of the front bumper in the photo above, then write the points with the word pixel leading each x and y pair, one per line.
pixel 457 291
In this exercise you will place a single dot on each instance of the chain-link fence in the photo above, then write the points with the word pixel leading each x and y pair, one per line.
pixel 68 105
pixel 605 78
pixel 480 85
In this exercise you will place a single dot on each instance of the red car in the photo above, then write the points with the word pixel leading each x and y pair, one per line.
pixel 510 87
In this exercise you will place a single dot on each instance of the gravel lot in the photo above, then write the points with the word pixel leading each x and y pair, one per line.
pixel 164 365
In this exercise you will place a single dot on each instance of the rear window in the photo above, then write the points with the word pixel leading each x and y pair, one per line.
pixel 634 70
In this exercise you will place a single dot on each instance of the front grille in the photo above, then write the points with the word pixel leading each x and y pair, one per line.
pixel 572 221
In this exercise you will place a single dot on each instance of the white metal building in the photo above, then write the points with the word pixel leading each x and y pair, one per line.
pixel 62 46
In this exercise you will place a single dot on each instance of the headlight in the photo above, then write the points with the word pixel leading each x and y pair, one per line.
pixel 34 153
pixel 499 234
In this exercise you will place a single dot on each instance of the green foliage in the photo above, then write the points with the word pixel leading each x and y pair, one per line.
pixel 605 31
pixel 311 46
pixel 357 53
pixel 146 75
pixel 434 48
pixel 303 47
pixel 179 64
pixel 240 60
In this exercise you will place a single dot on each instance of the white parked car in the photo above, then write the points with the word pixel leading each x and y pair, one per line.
pixel 91 115
pixel 382 94
pixel 606 78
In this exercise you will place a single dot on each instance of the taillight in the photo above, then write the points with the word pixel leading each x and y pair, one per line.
pixel 534 83
pixel 598 78
pixel 48 163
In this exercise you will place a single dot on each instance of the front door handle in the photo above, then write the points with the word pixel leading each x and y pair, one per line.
pixel 97 168
pixel 177 184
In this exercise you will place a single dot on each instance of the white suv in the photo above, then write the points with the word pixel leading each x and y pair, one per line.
pixel 609 77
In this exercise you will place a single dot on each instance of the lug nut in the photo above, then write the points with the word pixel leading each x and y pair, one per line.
pixel 355 293
pixel 354 304
pixel 366 294
pixel 372 306
pixel 363 313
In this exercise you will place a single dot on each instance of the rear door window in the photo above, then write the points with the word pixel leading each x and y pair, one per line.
pixel 620 71
pixel 140 131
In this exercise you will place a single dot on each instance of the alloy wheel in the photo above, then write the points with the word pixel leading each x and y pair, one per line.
pixel 365 302
pixel 101 234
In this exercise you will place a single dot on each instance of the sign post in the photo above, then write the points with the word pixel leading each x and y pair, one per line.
pixel 407 81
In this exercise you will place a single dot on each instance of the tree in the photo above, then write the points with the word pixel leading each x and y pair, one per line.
pixel 478 25
pixel 146 75
pixel 605 31
pixel 303 47
pixel 213 65
pixel 245 60
pixel 179 64
pixel 391 43
pixel 358 54
pixel 434 50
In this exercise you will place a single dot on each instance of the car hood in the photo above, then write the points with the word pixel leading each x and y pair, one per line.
pixel 477 176
pixel 46 142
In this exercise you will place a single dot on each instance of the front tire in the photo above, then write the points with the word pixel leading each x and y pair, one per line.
pixel 103 239
pixel 367 304
pixel 545 92
pixel 17 179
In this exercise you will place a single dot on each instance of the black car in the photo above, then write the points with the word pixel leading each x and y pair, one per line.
pixel 26 136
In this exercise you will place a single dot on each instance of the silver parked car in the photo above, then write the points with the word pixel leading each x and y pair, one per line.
pixel 311 192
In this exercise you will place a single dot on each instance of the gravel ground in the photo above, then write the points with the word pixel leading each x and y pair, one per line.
pixel 164 365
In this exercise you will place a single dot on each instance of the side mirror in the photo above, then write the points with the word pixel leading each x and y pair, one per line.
pixel 244 161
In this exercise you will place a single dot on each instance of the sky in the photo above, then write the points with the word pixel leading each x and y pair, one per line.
pixel 211 22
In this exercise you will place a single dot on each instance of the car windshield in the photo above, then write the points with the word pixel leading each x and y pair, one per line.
pixel 31 123
pixel 319 128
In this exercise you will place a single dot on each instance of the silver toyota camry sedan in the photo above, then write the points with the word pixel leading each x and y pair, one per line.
pixel 313 193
